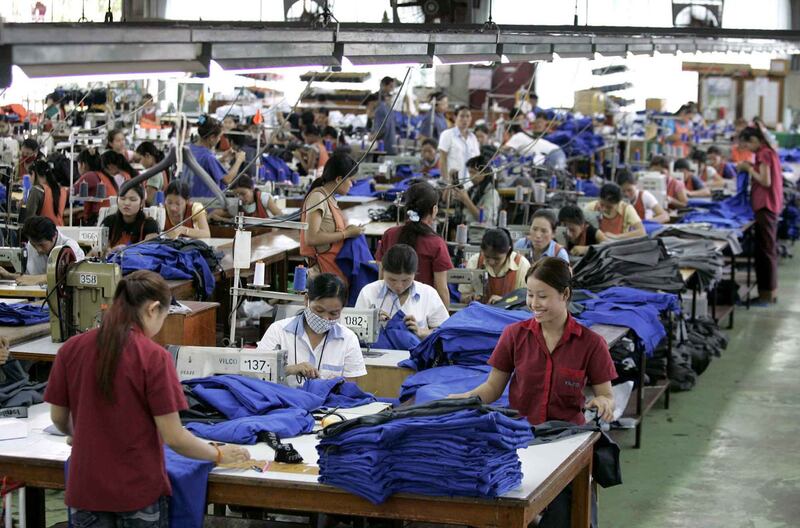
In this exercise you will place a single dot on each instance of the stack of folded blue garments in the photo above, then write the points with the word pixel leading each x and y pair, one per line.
pixel 466 338
pixel 378 455
pixel 440 382
pixel 730 213
pixel 23 314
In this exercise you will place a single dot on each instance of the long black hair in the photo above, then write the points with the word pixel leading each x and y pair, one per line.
pixel 554 272
pixel 111 157
pixel 339 165
pixel 400 259
pixel 118 225
pixel 326 286
pixel 149 148
pixel 498 241
pixel 480 164
pixel 42 168
pixel 420 199
pixel 91 159
pixel 751 132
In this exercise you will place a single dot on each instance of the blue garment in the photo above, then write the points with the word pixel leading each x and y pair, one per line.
pixel 338 392
pixel 275 169
pixel 731 213
pixel 466 338
pixel 651 227
pixel 22 314
pixel 238 396
pixel 439 382
pixel 189 480
pixel 475 455
pixel 206 159
pixel 399 187
pixel 396 335
pixel 576 137
pixel 365 187
pixel 170 263
pixel 590 189
pixel 433 128
pixel 358 265
pixel 285 423
pixel 389 133
pixel 729 171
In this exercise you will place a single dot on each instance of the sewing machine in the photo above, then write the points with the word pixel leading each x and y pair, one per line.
pixel 77 293
pixel 477 279
pixel 366 170
pixel 365 323
pixel 13 257
pixel 656 183
pixel 410 161
pixel 199 362
pixel 91 237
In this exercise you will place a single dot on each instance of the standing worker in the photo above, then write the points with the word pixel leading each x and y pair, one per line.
pixel 47 198
pixel 458 145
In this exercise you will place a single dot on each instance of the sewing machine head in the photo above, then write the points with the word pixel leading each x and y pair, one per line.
pixel 474 277
pixel 13 257
pixel 78 293
pixel 410 161
pixel 91 237
pixel 198 362
pixel 365 323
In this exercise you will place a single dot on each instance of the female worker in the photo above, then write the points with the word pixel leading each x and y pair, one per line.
pixel 116 393
pixel 28 153
pixel 580 233
pixel 327 228
pixel 482 195
pixel 90 168
pixel 47 197
pixel 549 359
pixel 129 225
pixel 617 220
pixel 766 198
pixel 398 291
pixel 421 205
pixel 210 132
pixel 318 345
pixel 181 209
pixel 643 201
pixel 540 242
pixel 506 267
pixel 255 203
pixel 115 140
pixel 116 167
pixel 150 156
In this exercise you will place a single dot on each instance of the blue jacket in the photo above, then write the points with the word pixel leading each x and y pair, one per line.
pixel 396 335
pixel 23 314
pixel 439 382
pixel 189 480
pixel 208 161
pixel 357 264
pixel 285 423
pixel 338 392
pixel 275 169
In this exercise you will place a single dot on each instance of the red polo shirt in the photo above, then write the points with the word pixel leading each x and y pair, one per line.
pixel 431 251
pixel 549 386
pixel 768 197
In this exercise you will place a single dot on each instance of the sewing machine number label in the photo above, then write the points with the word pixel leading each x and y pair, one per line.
pixel 255 365
pixel 358 321
pixel 90 279
pixel 87 236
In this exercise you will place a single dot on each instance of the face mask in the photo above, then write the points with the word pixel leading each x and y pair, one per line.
pixel 249 208
pixel 318 324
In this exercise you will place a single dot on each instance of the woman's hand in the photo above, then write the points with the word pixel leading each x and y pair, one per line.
pixel 604 406
pixel 494 299
pixel 383 315
pixel 30 280
pixel 232 454
pixel 305 369
pixel 411 324
pixel 353 231
pixel 240 157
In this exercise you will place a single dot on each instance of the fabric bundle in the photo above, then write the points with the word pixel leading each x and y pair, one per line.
pixel 16 388
pixel 169 262
pixel 23 314
pixel 439 382
pixel 396 335
pixel 378 455
pixel 638 263
pixel 700 255
pixel 466 338
pixel 357 265
pixel 700 231
pixel 732 213
pixel 576 137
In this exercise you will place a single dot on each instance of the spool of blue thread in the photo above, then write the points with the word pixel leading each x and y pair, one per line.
pixel 160 198
pixel 84 190
pixel 26 186
pixel 553 181
pixel 328 145
pixel 300 278
pixel 380 145
pixel 101 190
pixel 579 185
pixel 481 215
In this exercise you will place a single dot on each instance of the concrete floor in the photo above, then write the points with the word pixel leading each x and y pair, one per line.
pixel 726 453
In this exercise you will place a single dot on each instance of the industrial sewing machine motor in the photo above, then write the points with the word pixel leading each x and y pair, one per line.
pixel 78 292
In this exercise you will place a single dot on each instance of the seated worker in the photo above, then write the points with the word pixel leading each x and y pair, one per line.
pixel 549 359
pixel 129 225
pixel 429 156
pixel 150 156
pixel 253 202
pixel 706 172
pixel 42 237
pixel 180 208
pixel 646 205
pixel 91 170
pixel 318 345
pixel 422 206
pixel 209 131
pixel 540 243
pixel 313 155
pixel 47 197
pixel 116 167
pixel 506 267
pixel 617 219
pixel 482 194
pixel 398 291
pixel 724 168
pixel 28 153
pixel 695 188
pixel 580 233
pixel 676 191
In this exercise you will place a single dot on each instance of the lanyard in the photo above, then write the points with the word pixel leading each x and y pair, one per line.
pixel 299 377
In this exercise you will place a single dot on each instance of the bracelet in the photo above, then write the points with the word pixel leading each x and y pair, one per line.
pixel 218 460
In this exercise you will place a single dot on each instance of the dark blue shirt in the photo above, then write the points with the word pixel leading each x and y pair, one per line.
pixel 206 159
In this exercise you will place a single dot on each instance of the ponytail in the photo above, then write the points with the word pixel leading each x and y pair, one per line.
pixel 757 132
pixel 43 168
pixel 339 165
pixel 420 199
pixel 132 294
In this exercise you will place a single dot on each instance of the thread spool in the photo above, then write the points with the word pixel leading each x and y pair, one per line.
pixel 258 275
pixel 159 198
pixel 300 278
pixel 579 185
pixel 101 190
pixel 481 216
pixel 502 220
pixel 84 190
pixel 461 234
pixel 380 145
pixel 519 195
pixel 328 145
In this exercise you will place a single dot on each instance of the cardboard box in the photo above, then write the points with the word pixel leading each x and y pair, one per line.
pixel 655 105
pixel 590 102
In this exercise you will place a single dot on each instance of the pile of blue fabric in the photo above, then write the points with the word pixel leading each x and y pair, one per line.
pixel 789 155
pixel 22 314
pixel 576 137
pixel 365 187
pixel 637 309
pixel 170 263
pixel 380 455
pixel 466 338
pixel 730 213
pixel 358 266
pixel 439 382
pixel 275 169
pixel 399 187
pixel 395 335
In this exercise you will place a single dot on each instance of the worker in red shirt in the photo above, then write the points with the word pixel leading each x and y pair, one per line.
pixel 551 357
pixel 116 393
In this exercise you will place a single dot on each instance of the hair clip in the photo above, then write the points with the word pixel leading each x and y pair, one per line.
pixel 202 119
pixel 412 215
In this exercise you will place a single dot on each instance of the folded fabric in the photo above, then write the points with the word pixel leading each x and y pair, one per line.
pixel 365 187
pixel 189 480
pixel 733 212
pixel 239 396
pixel 699 231
pixel 338 392
pixel 285 423
pixel 23 314
pixel 699 255
pixel 357 265
pixel 396 335
pixel 440 382
pixel 17 389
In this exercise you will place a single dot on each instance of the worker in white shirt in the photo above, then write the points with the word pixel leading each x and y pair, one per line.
pixel 646 205
pixel 42 237
pixel 398 291
pixel 457 145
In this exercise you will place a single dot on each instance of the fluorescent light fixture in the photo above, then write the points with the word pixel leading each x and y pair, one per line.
pixel 253 57
pixel 467 53
pixel 574 51
pixel 528 52
pixel 388 53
